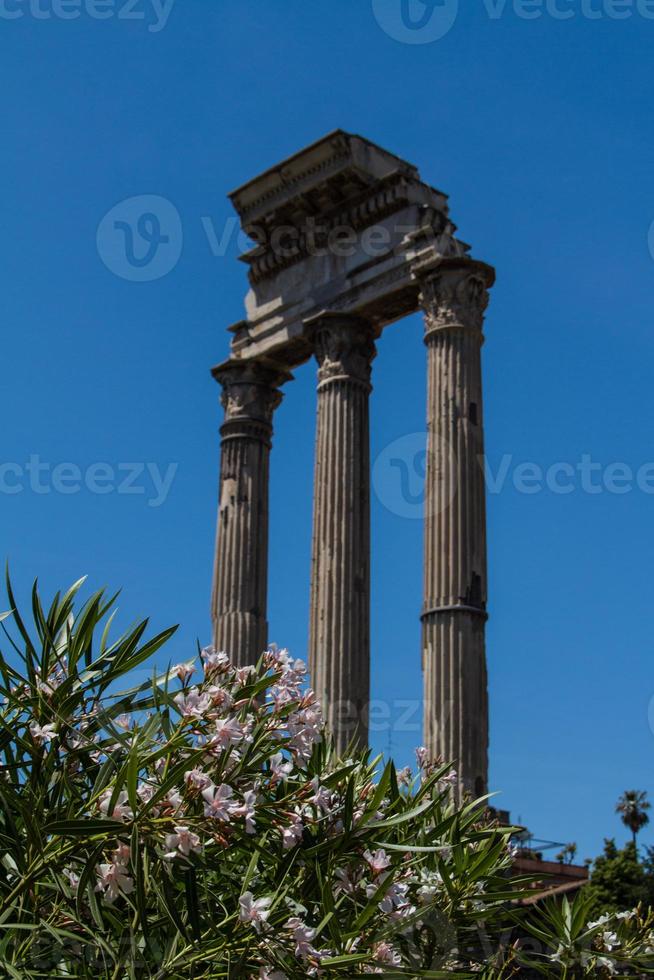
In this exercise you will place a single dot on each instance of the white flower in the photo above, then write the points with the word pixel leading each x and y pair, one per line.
pixel 112 880
pixel 280 768
pixel 182 842
pixel 378 860
pixel 253 910
pixel 73 879
pixel 603 919
pixel 218 801
pixel 42 734
pixel 121 809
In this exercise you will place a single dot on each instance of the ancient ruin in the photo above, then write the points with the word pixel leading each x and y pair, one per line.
pixel 349 239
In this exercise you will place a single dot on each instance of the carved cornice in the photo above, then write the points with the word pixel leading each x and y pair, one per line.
pixel 285 243
pixel 454 295
pixel 250 395
pixel 344 348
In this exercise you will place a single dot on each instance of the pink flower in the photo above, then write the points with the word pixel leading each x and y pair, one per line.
pixel 280 768
pixel 121 808
pixel 322 798
pixel 218 802
pixel 244 674
pixel 404 776
pixel 184 670
pixel 292 834
pixel 193 704
pixel 344 882
pixel 378 860
pixel 302 936
pixel 254 911
pixel 112 880
pixel 214 662
pixel 182 843
pixel 422 756
pixel 229 731
pixel 384 953
pixel 246 810
pixel 196 779
pixel 220 697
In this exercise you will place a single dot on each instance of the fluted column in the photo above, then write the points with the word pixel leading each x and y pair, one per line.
pixel 239 601
pixel 453 297
pixel 339 637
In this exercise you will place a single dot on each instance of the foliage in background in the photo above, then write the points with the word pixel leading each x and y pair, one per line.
pixel 200 831
pixel 619 880
pixel 632 807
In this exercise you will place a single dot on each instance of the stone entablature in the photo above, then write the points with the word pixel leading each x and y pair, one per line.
pixel 338 227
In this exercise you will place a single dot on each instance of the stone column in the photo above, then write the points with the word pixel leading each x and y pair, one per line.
pixel 453 297
pixel 240 584
pixel 339 637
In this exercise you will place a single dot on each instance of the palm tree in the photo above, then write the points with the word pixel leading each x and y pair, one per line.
pixel 632 807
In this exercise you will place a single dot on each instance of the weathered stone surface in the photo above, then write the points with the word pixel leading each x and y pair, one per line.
pixel 239 601
pixel 454 296
pixel 339 636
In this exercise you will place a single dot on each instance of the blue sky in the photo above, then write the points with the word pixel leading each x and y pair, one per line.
pixel 540 130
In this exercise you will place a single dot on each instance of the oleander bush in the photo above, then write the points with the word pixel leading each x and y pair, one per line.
pixel 199 825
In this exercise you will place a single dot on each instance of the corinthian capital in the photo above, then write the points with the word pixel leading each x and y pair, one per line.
pixel 344 348
pixel 250 390
pixel 454 293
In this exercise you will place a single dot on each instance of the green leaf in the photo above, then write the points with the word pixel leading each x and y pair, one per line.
pixel 85 827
